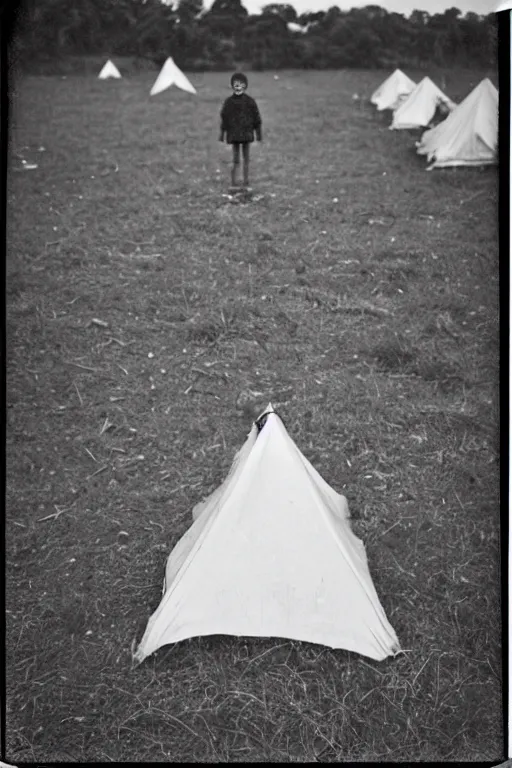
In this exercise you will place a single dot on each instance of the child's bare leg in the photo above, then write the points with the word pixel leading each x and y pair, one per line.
pixel 236 164
pixel 245 155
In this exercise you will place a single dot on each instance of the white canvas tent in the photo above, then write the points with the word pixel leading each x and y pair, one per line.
pixel 171 74
pixel 420 106
pixel 109 69
pixel 271 554
pixel 469 135
pixel 392 91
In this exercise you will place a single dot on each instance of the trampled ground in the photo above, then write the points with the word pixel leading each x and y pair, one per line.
pixel 359 294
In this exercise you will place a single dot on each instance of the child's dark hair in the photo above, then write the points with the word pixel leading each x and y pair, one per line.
pixel 240 77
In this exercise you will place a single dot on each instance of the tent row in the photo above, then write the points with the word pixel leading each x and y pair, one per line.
pixel 170 74
pixel 457 134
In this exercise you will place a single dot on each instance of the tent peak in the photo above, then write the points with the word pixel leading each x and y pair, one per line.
pixel 265 411
pixel 262 418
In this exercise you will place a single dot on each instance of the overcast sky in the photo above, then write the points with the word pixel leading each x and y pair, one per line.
pixel 398 6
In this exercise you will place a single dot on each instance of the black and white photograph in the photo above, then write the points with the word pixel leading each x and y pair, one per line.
pixel 256 257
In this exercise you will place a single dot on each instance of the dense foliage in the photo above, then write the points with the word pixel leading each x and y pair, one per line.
pixel 226 35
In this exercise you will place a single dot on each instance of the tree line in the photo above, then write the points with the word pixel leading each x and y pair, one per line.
pixel 226 36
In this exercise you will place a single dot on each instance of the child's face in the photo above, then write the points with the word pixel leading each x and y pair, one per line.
pixel 238 87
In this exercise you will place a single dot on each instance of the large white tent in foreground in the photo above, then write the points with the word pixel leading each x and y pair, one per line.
pixel 171 74
pixel 271 554
pixel 392 91
pixel 418 109
pixel 109 69
pixel 469 135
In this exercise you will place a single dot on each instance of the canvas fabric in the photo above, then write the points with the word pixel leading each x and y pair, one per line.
pixel 109 69
pixel 171 74
pixel 392 91
pixel 271 554
pixel 469 135
pixel 420 106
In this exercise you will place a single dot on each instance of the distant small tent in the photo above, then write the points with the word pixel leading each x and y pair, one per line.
pixel 469 135
pixel 171 74
pixel 271 554
pixel 109 69
pixel 420 106
pixel 392 91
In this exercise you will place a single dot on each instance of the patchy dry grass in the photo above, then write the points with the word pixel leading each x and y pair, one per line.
pixel 140 305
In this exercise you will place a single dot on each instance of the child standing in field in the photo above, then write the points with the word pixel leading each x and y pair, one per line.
pixel 240 120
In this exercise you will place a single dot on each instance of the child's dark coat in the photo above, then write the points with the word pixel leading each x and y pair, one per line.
pixel 240 119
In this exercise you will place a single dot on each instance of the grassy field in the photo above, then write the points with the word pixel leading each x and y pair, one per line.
pixel 359 294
